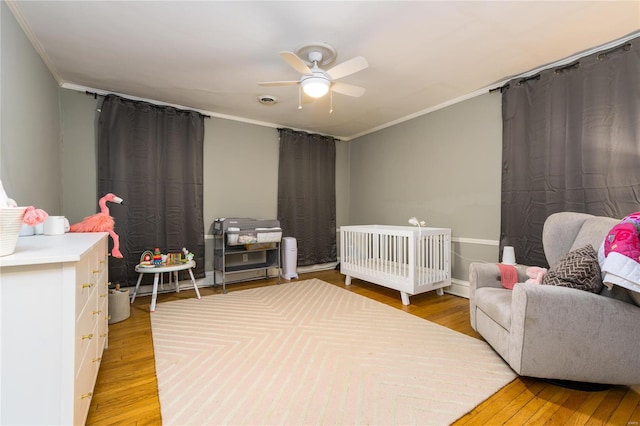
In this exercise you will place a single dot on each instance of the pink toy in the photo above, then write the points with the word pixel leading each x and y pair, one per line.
pixel 624 238
pixel 33 216
pixel 535 274
pixel 101 222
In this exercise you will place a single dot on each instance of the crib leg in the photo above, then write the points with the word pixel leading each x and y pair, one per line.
pixel 347 280
pixel 405 298
pixel 440 291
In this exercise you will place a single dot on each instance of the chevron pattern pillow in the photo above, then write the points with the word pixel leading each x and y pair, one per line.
pixel 577 269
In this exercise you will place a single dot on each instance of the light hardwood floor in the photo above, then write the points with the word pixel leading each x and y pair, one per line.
pixel 127 391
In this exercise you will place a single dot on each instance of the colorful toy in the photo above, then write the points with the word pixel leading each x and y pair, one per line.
pixel 157 257
pixel 187 254
pixel 146 256
pixel 102 222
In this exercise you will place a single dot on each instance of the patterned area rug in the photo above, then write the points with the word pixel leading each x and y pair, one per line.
pixel 309 352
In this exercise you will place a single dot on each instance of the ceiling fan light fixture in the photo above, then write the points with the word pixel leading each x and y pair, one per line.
pixel 316 87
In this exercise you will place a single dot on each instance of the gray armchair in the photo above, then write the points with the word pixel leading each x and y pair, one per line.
pixel 558 332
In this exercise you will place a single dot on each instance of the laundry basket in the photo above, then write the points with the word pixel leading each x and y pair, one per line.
pixel 10 225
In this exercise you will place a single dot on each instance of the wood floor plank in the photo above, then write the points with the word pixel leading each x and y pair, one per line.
pixel 126 392
pixel 584 412
pixel 527 411
pixel 518 392
pixel 550 407
pixel 566 410
pixel 605 410
pixel 634 418
pixel 622 415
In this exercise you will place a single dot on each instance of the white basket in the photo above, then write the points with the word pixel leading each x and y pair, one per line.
pixel 10 225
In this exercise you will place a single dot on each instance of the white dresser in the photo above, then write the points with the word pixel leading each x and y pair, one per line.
pixel 53 320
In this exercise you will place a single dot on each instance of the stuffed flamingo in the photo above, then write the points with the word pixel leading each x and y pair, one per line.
pixel 101 222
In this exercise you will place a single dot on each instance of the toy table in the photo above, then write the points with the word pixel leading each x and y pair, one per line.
pixel 157 270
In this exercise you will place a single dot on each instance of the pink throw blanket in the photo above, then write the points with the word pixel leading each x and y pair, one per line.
pixel 508 275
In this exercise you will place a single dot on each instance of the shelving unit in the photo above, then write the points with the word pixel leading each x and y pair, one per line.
pixel 244 245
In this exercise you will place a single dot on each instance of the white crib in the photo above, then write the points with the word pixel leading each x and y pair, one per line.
pixel 408 259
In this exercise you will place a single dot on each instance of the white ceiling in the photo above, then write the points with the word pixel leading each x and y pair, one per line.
pixel 210 55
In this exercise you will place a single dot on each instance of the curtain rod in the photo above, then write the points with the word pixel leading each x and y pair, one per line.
pixel 95 96
pixel 626 47
pixel 625 44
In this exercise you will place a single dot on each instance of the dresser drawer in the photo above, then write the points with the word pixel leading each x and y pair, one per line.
pixel 92 271
pixel 98 264
pixel 103 295
pixel 86 332
pixel 103 320
pixel 85 284
pixel 83 388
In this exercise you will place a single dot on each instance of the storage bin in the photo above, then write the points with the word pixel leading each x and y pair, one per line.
pixel 119 308
pixel 10 225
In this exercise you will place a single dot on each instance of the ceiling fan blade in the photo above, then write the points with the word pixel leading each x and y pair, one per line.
pixel 278 83
pixel 346 68
pixel 295 62
pixel 348 89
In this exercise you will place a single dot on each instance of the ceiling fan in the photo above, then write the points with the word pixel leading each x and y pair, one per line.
pixel 316 82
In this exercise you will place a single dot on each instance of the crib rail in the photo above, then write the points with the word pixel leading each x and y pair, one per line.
pixel 405 258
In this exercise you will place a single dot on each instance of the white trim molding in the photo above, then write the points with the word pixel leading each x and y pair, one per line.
pixel 463 240
pixel 458 288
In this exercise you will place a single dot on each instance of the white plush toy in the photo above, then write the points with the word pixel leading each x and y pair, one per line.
pixel 5 201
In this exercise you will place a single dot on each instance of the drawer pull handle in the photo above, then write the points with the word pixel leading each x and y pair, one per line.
pixel 95 271
pixel 103 335
pixel 87 285
pixel 86 395
pixel 87 336
pixel 97 359
pixel 96 312
pixel 103 295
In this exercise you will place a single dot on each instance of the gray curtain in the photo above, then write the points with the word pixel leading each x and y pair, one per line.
pixel 571 142
pixel 151 156
pixel 307 194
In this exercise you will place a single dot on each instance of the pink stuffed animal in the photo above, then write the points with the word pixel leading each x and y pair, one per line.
pixel 33 216
pixel 102 222
pixel 535 274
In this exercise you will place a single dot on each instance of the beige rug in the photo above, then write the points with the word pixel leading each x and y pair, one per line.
pixel 310 353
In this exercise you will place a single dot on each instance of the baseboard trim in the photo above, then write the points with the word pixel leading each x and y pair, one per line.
pixel 459 288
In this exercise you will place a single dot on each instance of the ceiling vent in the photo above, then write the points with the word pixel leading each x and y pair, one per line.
pixel 267 99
